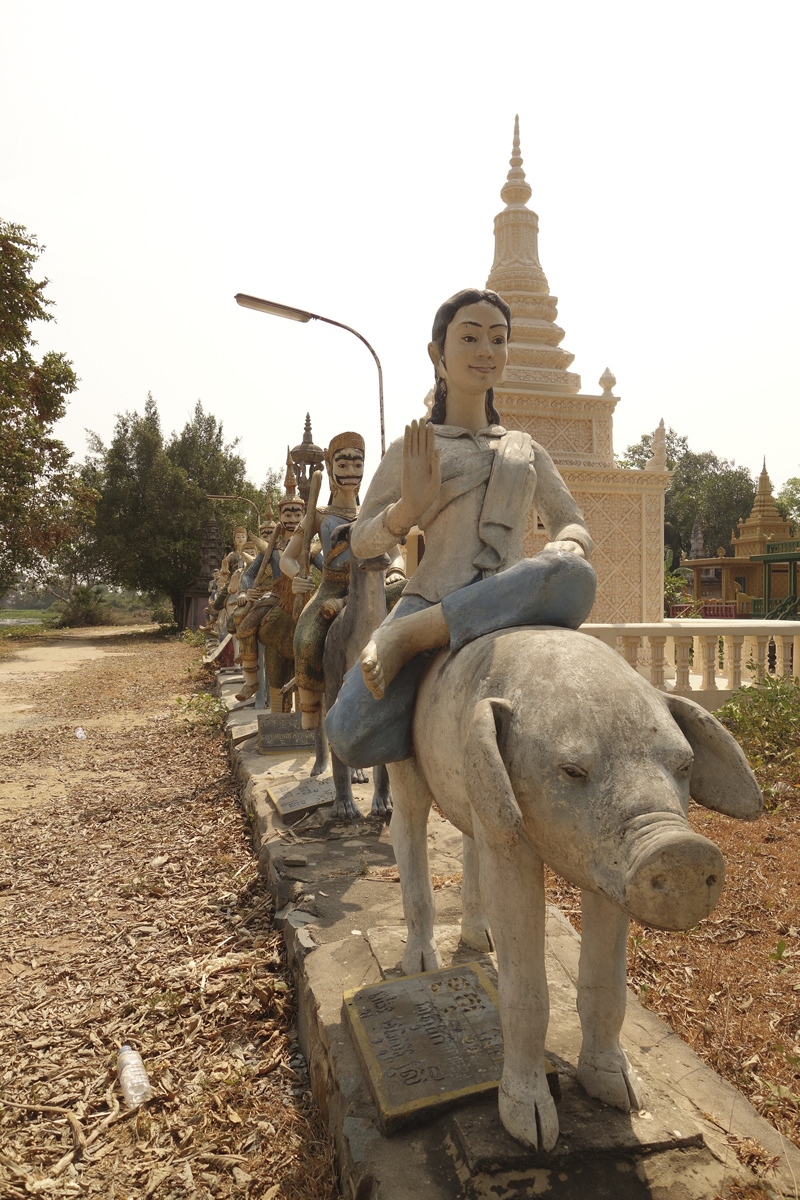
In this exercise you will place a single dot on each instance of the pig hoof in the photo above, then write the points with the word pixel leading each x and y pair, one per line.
pixel 530 1117
pixel 421 956
pixel 611 1079
pixel 476 937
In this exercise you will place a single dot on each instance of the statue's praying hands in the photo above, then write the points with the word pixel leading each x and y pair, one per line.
pixel 421 478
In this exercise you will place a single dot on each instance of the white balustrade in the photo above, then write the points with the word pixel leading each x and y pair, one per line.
pixel 683 655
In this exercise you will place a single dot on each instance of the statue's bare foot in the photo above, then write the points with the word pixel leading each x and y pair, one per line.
pixel 250 686
pixel 309 720
pixel 383 656
pixel 396 642
pixel 247 691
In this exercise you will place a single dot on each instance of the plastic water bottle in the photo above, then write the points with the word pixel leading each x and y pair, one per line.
pixel 133 1078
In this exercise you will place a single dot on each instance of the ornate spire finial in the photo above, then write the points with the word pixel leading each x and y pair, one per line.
pixel 307 431
pixel 516 157
pixel 516 190
pixel 607 381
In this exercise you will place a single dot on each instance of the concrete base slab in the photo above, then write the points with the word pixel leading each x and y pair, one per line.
pixel 337 888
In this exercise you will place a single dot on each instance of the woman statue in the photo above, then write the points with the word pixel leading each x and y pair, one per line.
pixel 469 484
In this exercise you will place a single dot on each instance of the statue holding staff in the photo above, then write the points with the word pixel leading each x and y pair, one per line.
pixel 266 602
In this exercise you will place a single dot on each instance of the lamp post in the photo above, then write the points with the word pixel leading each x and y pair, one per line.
pixel 300 314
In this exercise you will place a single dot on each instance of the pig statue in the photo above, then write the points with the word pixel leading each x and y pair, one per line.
pixel 543 746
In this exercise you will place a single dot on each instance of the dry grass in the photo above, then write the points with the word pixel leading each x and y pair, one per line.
pixel 731 987
pixel 131 910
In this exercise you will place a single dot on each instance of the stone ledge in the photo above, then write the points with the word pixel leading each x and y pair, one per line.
pixel 343 927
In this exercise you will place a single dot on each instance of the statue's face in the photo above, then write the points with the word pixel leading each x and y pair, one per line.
pixel 475 348
pixel 266 530
pixel 291 516
pixel 347 472
pixel 239 539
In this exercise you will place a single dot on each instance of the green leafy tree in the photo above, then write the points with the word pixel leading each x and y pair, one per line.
pixel 787 502
pixel 43 499
pixel 713 489
pixel 154 503
pixel 150 515
pixel 702 485
pixel 273 487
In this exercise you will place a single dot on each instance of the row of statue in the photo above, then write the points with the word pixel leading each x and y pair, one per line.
pixel 468 685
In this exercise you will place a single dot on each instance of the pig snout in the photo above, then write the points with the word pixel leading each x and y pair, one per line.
pixel 675 876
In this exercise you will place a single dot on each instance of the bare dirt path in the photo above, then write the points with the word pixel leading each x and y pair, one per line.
pixel 131 910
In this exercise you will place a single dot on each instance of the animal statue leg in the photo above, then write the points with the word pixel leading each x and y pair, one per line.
pixel 322 759
pixel 381 793
pixel 344 807
pixel 474 926
pixel 512 884
pixel 603 1070
pixel 409 830
pixel 358 775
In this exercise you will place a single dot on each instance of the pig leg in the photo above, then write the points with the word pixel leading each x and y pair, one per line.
pixel 474 928
pixel 409 833
pixel 603 1070
pixel 512 885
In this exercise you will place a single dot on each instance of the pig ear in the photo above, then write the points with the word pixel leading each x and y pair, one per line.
pixel 721 776
pixel 489 787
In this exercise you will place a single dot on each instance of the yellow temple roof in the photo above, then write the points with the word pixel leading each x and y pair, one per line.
pixel 764 524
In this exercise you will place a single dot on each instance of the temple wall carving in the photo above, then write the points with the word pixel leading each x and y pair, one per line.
pixel 626 520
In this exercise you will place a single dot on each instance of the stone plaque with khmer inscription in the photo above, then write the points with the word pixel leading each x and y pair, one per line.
pixel 427 1040
pixel 282 731
pixel 290 795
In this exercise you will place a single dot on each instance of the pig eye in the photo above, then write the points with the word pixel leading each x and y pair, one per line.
pixel 685 769
pixel 574 771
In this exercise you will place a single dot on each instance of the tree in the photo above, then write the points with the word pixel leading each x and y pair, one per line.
pixel 153 505
pixel 273 487
pixel 43 498
pixel 640 452
pixel 787 501
pixel 702 485
pixel 713 489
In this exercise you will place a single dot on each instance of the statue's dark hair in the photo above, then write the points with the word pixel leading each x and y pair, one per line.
pixel 440 323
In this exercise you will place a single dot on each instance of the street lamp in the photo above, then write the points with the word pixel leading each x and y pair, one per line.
pixel 300 314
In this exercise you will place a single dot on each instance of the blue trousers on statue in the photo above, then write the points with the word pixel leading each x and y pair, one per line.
pixel 554 588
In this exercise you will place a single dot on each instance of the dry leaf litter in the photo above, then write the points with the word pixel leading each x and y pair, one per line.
pixel 131 911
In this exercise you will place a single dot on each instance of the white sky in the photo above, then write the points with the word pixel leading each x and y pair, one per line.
pixel 347 158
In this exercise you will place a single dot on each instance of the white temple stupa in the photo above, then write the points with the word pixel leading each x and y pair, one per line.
pixel 624 509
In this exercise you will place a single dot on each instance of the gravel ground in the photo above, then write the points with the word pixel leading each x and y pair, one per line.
pixel 131 911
